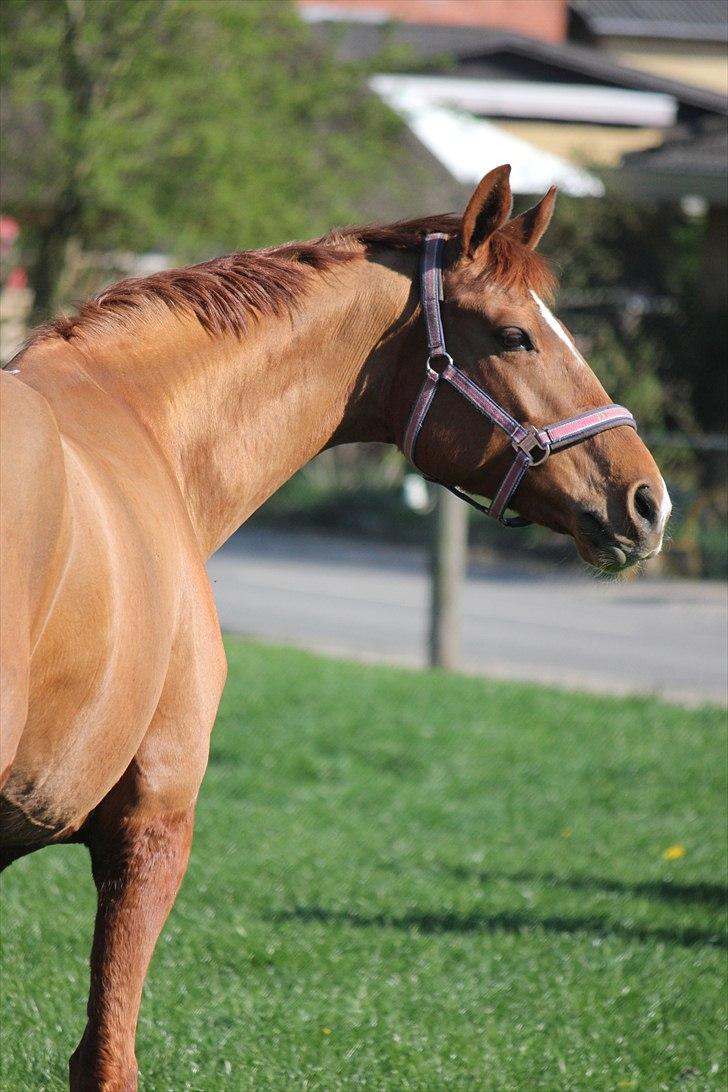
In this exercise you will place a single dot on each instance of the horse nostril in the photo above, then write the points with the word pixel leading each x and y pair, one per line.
pixel 645 505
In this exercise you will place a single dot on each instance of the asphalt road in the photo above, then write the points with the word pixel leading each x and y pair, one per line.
pixel 368 601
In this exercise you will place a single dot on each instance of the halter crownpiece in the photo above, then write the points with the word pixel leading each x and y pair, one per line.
pixel 532 446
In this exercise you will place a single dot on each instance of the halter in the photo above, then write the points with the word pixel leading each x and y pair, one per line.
pixel 532 446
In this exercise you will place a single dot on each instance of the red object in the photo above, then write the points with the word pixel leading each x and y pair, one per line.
pixel 17 278
pixel 9 229
pixel 542 19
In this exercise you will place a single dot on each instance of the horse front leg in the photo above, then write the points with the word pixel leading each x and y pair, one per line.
pixel 138 865
pixel 139 838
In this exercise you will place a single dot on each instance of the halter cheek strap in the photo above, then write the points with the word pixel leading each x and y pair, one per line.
pixel 532 446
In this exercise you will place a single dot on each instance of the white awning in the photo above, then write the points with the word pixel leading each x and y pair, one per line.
pixel 468 147
pixel 583 103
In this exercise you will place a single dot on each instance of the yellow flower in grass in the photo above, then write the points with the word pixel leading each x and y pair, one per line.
pixel 673 853
pixel 326 1031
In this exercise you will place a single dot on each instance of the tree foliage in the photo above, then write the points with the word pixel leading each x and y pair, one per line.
pixel 630 290
pixel 194 126
pixel 201 126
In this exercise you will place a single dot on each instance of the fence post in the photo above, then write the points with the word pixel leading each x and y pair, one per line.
pixel 448 557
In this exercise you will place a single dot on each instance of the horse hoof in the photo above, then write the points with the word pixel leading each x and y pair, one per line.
pixel 87 1076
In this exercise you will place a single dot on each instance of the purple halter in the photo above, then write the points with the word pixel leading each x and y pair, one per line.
pixel 532 446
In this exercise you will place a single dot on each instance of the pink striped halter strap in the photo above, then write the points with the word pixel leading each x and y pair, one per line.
pixel 532 445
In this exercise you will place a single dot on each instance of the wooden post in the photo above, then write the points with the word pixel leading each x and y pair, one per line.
pixel 448 558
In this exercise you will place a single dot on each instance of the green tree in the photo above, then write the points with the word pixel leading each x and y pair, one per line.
pixel 629 276
pixel 194 126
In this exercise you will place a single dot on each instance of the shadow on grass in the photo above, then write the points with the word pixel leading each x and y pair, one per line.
pixel 707 894
pixel 511 922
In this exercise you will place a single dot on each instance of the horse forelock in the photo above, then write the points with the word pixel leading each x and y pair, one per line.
pixel 515 267
pixel 226 294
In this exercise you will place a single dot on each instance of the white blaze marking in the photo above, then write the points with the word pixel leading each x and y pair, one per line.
pixel 662 516
pixel 557 328
pixel 665 505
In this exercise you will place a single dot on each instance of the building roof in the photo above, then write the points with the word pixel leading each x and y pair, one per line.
pixel 690 161
pixel 703 151
pixel 484 54
pixel 687 20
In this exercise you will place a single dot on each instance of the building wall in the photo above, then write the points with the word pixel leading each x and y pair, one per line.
pixel 585 145
pixel 542 19
pixel 701 64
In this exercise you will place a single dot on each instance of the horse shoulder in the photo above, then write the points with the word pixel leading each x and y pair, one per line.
pixel 94 672
pixel 34 534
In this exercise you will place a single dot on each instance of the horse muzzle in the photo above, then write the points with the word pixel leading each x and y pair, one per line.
pixel 639 536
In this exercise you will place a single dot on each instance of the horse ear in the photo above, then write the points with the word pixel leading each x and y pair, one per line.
pixel 529 227
pixel 488 209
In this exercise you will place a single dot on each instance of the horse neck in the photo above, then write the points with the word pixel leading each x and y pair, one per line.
pixel 236 418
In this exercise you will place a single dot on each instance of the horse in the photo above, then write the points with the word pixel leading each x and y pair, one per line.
pixel 142 431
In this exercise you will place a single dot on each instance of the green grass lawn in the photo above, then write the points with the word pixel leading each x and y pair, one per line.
pixel 411 881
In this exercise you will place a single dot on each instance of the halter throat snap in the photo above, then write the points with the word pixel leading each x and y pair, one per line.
pixel 532 446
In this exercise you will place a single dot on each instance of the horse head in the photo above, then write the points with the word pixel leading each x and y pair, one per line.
pixel 589 475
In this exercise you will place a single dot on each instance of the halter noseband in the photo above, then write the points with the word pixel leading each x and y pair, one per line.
pixel 532 446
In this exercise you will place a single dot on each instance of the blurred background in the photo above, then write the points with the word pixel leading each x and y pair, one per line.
pixel 139 135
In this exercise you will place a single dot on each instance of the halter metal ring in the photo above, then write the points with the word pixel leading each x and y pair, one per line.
pixel 531 445
pixel 434 372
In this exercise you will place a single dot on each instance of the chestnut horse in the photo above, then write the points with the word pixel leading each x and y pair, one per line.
pixel 139 434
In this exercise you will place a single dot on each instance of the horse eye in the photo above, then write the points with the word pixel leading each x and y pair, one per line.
pixel 513 339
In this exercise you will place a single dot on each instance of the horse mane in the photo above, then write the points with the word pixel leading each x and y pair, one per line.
pixel 224 294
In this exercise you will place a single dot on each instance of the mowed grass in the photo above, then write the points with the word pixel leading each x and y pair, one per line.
pixel 412 881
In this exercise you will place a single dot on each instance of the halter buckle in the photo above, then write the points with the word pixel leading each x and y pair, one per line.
pixel 437 372
pixel 531 445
